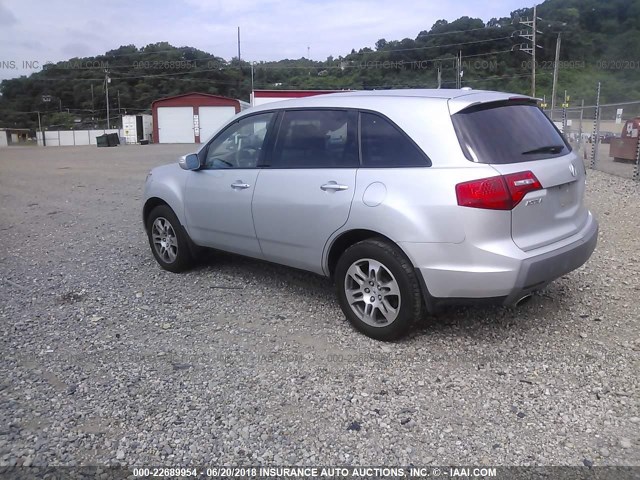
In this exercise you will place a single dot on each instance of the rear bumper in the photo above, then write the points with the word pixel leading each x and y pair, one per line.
pixel 536 272
pixel 498 272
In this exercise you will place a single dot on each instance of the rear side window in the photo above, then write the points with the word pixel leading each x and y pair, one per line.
pixel 384 145
pixel 316 139
pixel 507 133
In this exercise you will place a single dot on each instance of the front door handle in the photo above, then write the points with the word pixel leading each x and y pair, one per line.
pixel 238 185
pixel 333 187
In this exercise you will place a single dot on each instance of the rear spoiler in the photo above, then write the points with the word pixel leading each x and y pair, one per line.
pixel 458 104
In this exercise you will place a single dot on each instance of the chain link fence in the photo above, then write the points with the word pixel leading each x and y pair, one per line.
pixel 607 136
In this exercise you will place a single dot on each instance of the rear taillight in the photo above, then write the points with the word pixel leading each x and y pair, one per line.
pixel 489 193
pixel 520 184
pixel 503 192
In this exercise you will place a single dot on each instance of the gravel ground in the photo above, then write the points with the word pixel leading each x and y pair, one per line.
pixel 106 359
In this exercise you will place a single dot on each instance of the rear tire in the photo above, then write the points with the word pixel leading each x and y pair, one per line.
pixel 169 242
pixel 378 290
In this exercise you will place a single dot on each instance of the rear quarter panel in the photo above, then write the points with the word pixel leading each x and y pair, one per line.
pixel 414 205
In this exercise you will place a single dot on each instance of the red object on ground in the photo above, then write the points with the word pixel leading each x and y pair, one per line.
pixel 626 147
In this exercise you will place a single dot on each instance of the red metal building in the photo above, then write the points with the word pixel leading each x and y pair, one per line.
pixel 190 117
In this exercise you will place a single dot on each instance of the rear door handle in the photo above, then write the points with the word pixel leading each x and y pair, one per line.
pixel 333 187
pixel 238 185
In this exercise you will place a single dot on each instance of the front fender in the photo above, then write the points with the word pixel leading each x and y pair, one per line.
pixel 167 184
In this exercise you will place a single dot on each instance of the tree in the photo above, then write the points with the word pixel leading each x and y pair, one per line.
pixel 380 44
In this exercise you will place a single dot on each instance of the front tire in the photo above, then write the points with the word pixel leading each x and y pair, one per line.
pixel 168 240
pixel 377 289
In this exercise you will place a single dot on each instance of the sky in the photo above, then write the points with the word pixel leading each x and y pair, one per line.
pixel 33 32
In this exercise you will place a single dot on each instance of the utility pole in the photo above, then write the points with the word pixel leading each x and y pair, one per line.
pixel 457 71
pixel 555 75
pixel 107 80
pixel 439 77
pixel 93 113
pixel 532 49
pixel 44 142
pixel 119 113
pixel 238 44
pixel 252 91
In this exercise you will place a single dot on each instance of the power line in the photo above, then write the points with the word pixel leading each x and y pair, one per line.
pixel 420 83
pixel 378 52
pixel 503 77
pixel 488 53
pixel 458 31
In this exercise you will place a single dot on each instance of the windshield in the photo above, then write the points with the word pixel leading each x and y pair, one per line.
pixel 504 132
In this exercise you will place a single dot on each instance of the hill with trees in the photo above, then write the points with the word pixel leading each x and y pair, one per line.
pixel 600 42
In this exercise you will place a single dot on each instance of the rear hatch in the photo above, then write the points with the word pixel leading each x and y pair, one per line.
pixel 515 136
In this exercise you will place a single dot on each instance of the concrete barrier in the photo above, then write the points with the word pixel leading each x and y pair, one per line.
pixel 71 138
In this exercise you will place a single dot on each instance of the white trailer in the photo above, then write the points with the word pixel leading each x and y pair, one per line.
pixel 137 127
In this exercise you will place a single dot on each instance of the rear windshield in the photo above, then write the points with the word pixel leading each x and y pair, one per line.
pixel 504 132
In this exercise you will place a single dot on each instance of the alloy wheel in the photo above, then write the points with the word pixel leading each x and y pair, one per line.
pixel 164 240
pixel 372 292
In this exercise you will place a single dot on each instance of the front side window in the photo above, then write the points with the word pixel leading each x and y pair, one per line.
pixel 384 145
pixel 316 139
pixel 240 145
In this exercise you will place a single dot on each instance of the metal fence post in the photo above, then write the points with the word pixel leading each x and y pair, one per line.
pixel 595 140
pixel 580 128
pixel 636 171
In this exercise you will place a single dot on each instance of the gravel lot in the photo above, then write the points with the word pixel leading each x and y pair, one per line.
pixel 106 359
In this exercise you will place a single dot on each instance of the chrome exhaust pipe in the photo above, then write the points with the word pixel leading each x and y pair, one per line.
pixel 523 300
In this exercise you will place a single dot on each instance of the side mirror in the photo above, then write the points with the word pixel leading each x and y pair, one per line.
pixel 189 162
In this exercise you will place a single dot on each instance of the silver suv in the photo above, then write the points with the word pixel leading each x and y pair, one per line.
pixel 408 199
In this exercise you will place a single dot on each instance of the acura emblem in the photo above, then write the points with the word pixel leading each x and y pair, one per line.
pixel 572 169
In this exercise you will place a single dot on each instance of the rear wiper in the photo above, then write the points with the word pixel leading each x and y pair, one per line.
pixel 545 149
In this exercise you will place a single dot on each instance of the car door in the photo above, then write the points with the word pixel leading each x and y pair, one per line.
pixel 306 186
pixel 218 195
